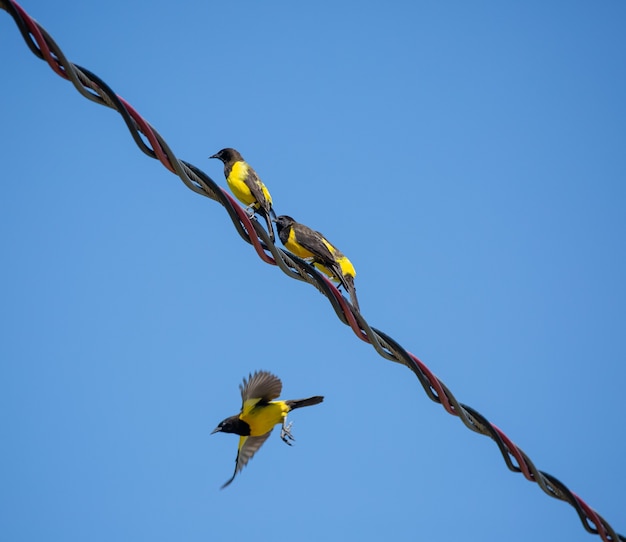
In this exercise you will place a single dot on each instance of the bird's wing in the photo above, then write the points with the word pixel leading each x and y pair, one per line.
pixel 260 385
pixel 248 446
pixel 256 188
pixel 314 242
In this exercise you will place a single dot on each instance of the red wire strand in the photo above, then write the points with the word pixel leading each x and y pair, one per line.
pixel 33 27
pixel 436 385
pixel 146 129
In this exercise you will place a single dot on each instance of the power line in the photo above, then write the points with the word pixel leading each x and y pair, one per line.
pixel 95 89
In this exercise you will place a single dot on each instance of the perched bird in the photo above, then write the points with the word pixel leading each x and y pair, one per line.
pixel 246 185
pixel 312 245
pixel 259 414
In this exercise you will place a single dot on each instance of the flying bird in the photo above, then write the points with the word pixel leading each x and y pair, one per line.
pixel 313 246
pixel 259 414
pixel 246 185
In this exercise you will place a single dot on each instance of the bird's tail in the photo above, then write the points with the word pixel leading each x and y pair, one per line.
pixel 348 282
pixel 297 403
pixel 268 220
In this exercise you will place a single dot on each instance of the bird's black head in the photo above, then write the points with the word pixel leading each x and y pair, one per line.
pixel 284 222
pixel 233 425
pixel 227 155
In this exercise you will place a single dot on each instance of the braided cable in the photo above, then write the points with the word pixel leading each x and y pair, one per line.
pixel 93 88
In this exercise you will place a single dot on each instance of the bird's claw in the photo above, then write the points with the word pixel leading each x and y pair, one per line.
pixel 250 211
pixel 285 434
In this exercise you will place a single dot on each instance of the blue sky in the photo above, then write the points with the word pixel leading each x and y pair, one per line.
pixel 467 156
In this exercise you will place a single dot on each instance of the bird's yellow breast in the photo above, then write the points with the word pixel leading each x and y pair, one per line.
pixel 296 248
pixel 237 181
pixel 262 418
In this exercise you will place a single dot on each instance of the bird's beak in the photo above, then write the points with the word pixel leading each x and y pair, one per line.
pixel 274 220
pixel 214 156
pixel 217 429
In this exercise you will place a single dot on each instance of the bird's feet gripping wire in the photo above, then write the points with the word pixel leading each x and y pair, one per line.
pixel 250 211
pixel 285 433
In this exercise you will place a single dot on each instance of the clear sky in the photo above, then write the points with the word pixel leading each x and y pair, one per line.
pixel 469 158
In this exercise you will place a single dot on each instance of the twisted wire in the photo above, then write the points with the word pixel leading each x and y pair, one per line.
pixel 152 144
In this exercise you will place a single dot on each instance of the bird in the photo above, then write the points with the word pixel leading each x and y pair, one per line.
pixel 313 246
pixel 246 185
pixel 259 414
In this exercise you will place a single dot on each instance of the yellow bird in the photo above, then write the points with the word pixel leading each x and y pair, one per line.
pixel 246 185
pixel 312 245
pixel 259 414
